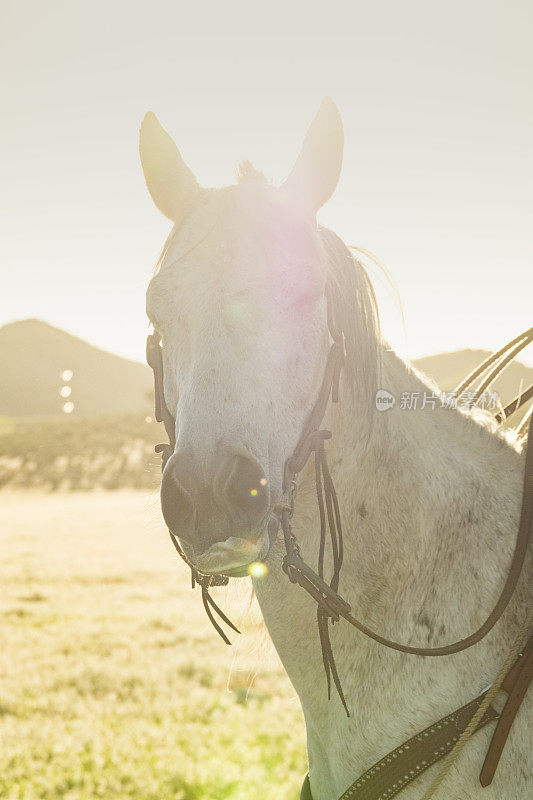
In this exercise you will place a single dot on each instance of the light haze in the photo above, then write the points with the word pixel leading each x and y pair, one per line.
pixel 437 177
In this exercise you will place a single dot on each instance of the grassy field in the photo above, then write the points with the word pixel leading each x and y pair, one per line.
pixel 112 682
pixel 80 453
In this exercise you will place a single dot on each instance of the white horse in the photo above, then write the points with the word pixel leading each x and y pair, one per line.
pixel 430 497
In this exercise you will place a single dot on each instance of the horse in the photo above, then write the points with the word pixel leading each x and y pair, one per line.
pixel 430 494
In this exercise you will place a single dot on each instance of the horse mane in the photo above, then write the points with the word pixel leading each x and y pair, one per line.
pixel 355 312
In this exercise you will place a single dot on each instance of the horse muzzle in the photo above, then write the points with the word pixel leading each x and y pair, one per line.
pixel 223 521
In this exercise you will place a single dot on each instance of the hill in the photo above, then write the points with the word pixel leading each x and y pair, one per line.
pixel 107 442
pixel 34 357
pixel 449 369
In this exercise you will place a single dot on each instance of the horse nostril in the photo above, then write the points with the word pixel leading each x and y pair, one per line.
pixel 247 487
pixel 176 503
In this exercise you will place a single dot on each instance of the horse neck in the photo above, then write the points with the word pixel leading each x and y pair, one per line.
pixel 418 487
pixel 424 496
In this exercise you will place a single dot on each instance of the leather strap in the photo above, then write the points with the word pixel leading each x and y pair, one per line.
pixel 416 755
pixel 413 757
pixel 388 776
pixel 515 404
pixel 301 573
pixel 330 604
pixel 312 440
pixel 154 357
pixel 516 345
pixel 400 767
pixel 516 684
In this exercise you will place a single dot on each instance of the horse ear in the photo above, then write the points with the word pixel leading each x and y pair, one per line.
pixel 317 169
pixel 170 182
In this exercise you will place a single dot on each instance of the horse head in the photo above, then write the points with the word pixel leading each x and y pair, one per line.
pixel 239 301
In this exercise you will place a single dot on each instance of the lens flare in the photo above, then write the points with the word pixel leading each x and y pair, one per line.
pixel 253 492
pixel 257 569
pixel 66 375
pixel 68 407
pixel 65 391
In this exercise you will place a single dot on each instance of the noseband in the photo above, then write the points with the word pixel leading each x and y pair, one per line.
pixel 330 605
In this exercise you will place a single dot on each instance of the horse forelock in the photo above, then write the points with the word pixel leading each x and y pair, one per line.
pixel 354 306
pixel 247 173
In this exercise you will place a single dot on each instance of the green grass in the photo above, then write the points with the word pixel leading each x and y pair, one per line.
pixel 112 682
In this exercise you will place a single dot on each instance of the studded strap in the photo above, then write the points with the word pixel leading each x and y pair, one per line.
pixel 397 769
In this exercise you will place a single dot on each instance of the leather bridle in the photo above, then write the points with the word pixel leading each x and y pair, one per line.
pixel 154 357
pixel 330 605
pixel 404 764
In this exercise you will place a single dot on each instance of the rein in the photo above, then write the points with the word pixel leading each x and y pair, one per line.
pixel 330 605
pixel 412 757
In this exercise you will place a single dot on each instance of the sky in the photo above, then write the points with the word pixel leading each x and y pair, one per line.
pixel 437 179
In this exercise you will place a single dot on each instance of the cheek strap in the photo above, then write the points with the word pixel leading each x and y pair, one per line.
pixel 154 357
